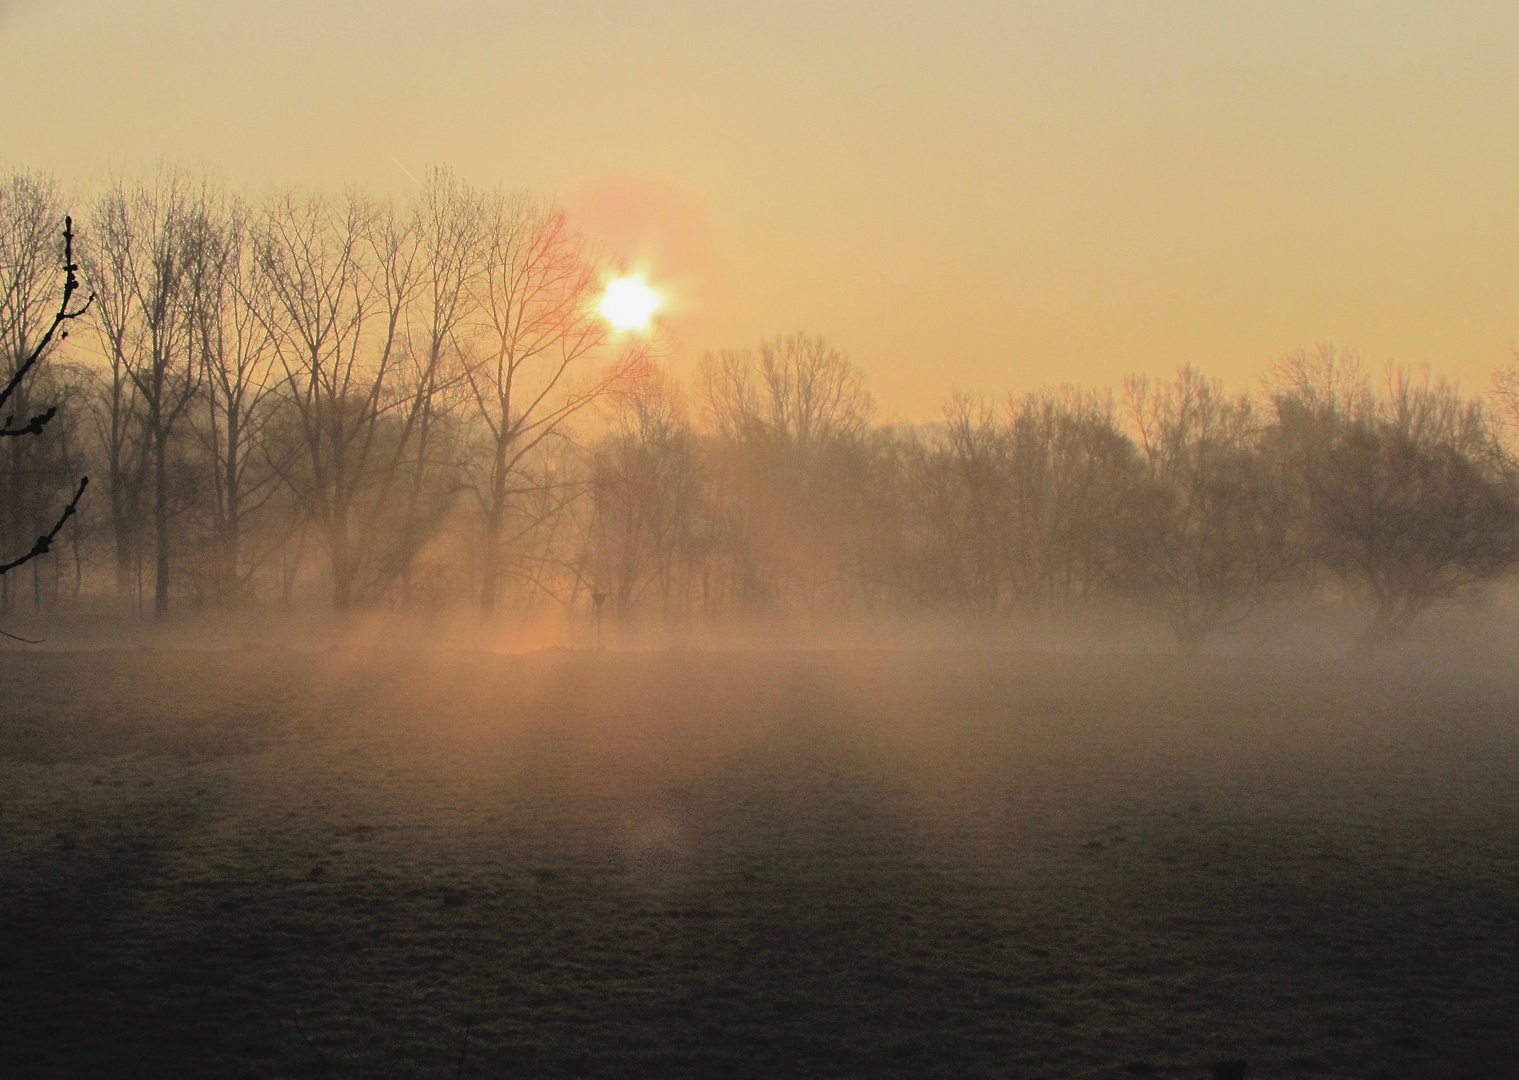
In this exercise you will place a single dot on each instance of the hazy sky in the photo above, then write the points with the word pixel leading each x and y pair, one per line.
pixel 989 195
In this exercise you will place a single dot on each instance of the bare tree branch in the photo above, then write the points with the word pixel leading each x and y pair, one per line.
pixel 70 287
pixel 45 541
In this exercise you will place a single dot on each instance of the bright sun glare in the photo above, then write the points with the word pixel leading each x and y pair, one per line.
pixel 629 303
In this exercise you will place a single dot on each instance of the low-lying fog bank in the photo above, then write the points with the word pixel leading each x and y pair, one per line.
pixel 1319 629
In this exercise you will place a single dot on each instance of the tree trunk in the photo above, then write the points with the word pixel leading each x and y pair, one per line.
pixel 230 543
pixel 342 565
pixel 125 587
pixel 161 525
pixel 489 571
pixel 232 526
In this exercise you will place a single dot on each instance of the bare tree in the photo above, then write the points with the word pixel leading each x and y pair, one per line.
pixel 1504 413
pixel 536 348
pixel 450 223
pixel 339 278
pixel 119 432
pixel 978 452
pixel 1073 470
pixel 956 479
pixel 1206 536
pixel 1410 497
pixel 1014 506
pixel 647 500
pixel 226 292
pixel 787 469
pixel 139 237
pixel 799 389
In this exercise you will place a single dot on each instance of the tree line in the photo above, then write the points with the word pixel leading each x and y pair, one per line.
pixel 357 402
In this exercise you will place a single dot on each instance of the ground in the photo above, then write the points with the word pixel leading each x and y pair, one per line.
pixel 764 864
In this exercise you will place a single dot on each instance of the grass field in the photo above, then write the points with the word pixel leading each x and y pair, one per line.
pixel 764 864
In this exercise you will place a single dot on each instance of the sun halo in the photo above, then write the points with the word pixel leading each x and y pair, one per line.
pixel 629 303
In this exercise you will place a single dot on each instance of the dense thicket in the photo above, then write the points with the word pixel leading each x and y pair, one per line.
pixel 305 399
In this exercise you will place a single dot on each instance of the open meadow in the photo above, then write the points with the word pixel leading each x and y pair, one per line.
pixel 265 863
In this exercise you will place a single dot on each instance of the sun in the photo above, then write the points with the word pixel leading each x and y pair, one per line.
pixel 629 303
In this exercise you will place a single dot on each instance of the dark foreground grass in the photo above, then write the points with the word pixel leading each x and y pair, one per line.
pixel 756 865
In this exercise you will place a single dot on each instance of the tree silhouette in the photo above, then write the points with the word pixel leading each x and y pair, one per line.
pixel 1206 537
pixel 36 424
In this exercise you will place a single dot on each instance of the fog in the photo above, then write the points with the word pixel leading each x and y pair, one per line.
pixel 882 862
pixel 430 681
pixel 305 401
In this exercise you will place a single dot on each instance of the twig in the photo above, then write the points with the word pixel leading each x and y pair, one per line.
pixel 33 426
pixel 45 541
pixel 63 315
pixel 320 1056
pixel 18 637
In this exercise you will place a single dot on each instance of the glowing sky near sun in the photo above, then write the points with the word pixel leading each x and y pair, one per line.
pixel 975 194
pixel 629 303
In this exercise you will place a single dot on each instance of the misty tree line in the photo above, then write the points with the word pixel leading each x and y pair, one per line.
pixel 412 405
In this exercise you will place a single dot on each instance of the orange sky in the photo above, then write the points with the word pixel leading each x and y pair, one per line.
pixel 981 194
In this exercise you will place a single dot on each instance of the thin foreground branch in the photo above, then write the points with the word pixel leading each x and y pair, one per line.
pixel 33 426
pixel 63 315
pixel 45 542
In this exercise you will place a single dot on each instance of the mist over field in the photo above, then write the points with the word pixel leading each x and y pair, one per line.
pixel 767 540
pixel 432 681
pixel 756 863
